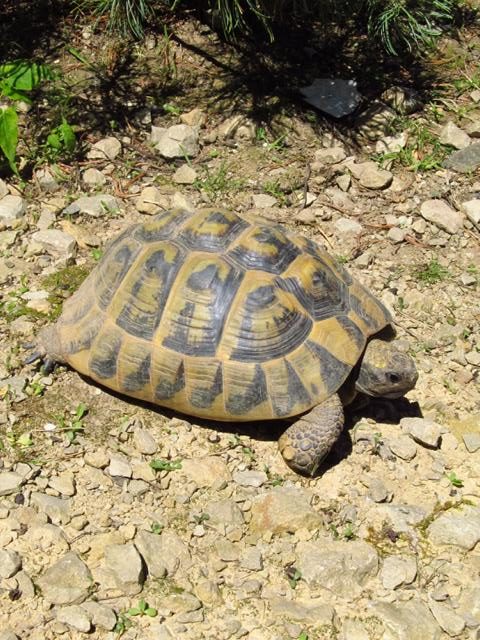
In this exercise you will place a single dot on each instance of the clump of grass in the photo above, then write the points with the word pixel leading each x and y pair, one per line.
pixel 217 183
pixel 61 285
pixel 432 272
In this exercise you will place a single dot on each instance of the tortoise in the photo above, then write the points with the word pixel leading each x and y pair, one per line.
pixel 218 317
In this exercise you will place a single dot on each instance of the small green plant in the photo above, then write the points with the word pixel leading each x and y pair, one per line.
pixel 423 151
pixel 122 625
pixel 275 145
pixel 201 518
pixel 60 142
pixel 142 609
pixel 432 272
pixel 22 441
pixel 294 575
pixel 455 481
pixel 349 532
pixel 73 425
pixel 217 183
pixel 274 479
pixel 273 188
pixel 17 80
pixel 35 388
pixel 303 636
pixel 165 465
pixel 157 528
pixel 96 253
pixel 171 109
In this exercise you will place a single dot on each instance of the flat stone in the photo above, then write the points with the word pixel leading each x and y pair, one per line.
pixel 56 242
pixel 165 552
pixel 398 571
pixel 185 175
pixel 348 227
pixel 8 634
pixel 471 209
pixel 342 567
pixel 57 509
pixel 99 459
pixel 284 510
pixel 125 564
pixel 377 491
pixel 410 620
pixel 207 471
pixel 396 234
pixel 252 559
pixel 331 155
pixel 471 441
pixel 152 201
pixel 10 482
pixel 473 128
pixel 458 527
pixel 250 478
pixel 8 238
pixel 11 208
pixel 151 547
pixel 454 136
pixel 451 622
pixel 391 144
pixel 372 177
pixel 403 447
pixel 144 441
pixel 194 118
pixel 46 180
pixel 224 512
pixel 181 201
pixel 442 215
pixel 10 563
pixel 263 201
pixel 403 517
pixel 179 603
pixel 464 161
pixel 226 550
pixel 344 181
pixel 177 141
pixel 334 96
pixel 119 466
pixel 67 581
pixel 75 617
pixel 63 483
pixel 102 616
pixel 94 206
pixel 424 431
pixel 307 611
pixel 353 629
pixel 106 149
pixel 93 177
pixel 3 189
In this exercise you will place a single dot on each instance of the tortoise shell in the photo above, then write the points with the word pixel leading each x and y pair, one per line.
pixel 215 316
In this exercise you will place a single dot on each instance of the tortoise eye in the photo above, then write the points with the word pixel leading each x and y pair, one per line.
pixel 394 378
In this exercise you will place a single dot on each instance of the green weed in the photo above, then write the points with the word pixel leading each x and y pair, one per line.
pixel 217 183
pixel 455 481
pixel 423 151
pixel 61 285
pixel 432 272
pixel 165 465
pixel 294 575
pixel 72 425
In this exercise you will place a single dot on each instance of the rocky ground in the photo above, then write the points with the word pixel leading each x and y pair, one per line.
pixel 120 520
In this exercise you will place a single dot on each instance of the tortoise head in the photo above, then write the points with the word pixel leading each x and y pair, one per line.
pixel 385 371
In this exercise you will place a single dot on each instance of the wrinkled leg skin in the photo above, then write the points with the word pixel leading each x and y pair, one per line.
pixel 307 442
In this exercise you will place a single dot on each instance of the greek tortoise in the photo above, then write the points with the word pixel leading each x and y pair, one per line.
pixel 217 317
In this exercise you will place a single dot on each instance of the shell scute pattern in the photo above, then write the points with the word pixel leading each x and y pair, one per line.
pixel 214 316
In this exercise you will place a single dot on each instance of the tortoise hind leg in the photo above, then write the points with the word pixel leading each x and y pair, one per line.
pixel 306 443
